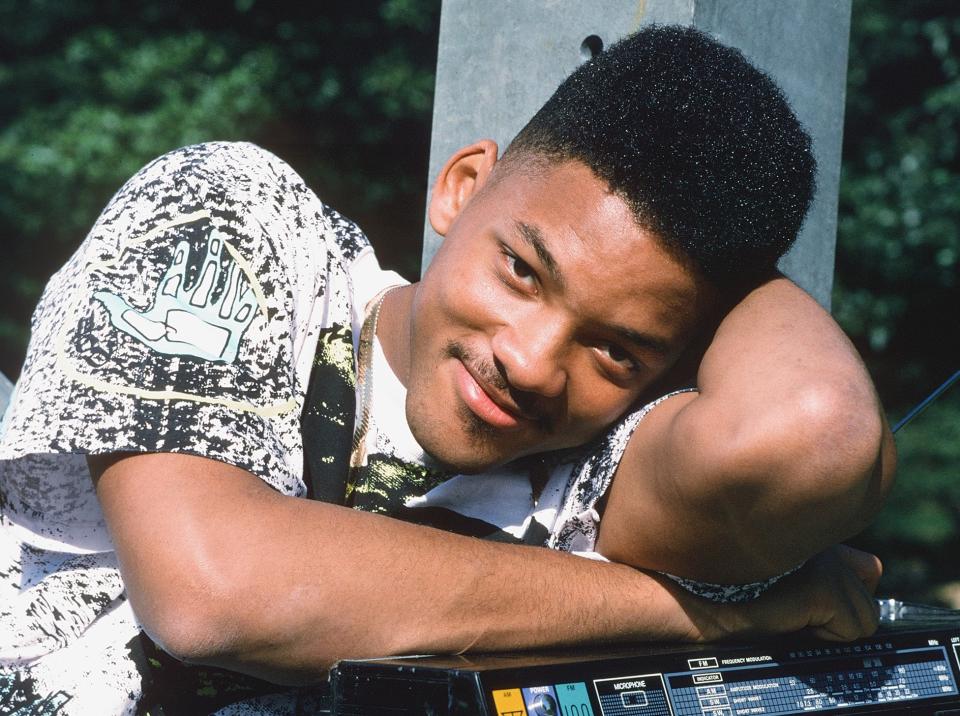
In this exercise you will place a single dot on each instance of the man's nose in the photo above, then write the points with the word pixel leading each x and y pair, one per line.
pixel 531 355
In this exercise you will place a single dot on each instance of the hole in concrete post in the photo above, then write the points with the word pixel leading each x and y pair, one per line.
pixel 591 46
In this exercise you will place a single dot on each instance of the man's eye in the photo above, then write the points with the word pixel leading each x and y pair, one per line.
pixel 616 355
pixel 520 269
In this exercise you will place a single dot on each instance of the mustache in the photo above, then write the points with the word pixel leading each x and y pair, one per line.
pixel 494 378
pixel 487 372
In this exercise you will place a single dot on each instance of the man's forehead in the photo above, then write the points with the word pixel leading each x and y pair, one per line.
pixel 562 210
pixel 565 187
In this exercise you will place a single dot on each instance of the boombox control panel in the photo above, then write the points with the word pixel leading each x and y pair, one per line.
pixel 913 671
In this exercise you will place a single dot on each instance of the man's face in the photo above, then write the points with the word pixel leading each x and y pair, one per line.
pixel 544 315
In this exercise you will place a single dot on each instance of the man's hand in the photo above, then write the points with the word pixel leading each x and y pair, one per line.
pixel 831 596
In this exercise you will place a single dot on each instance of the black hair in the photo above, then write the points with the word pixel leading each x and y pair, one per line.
pixel 702 146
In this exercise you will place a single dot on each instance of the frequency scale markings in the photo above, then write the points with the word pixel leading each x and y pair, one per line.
pixel 814 680
pixel 769 688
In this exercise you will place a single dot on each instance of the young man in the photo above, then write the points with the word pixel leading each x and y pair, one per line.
pixel 200 350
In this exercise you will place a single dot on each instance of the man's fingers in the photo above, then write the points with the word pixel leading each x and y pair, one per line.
pixel 854 620
pixel 831 597
pixel 867 609
pixel 851 611
pixel 866 566
pixel 848 625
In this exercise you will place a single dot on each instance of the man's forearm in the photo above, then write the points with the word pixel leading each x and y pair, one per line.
pixel 222 570
pixel 391 588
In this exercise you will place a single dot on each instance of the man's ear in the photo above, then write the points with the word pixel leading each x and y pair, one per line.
pixel 463 174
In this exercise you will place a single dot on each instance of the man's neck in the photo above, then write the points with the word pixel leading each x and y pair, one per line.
pixel 393 329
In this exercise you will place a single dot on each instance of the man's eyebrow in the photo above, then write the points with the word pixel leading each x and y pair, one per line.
pixel 641 340
pixel 534 237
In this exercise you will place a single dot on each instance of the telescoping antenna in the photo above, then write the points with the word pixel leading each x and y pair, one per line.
pixel 925 403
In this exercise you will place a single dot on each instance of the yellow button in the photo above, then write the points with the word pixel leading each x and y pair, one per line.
pixel 509 702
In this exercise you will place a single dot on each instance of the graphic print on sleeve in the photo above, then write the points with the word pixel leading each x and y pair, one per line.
pixel 203 315
pixel 186 321
pixel 166 318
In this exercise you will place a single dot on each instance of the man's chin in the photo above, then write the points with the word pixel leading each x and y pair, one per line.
pixel 463 462
pixel 461 442
pixel 463 453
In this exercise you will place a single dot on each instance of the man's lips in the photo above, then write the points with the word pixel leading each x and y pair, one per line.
pixel 482 404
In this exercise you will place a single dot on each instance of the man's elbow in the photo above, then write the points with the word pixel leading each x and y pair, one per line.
pixel 849 421
pixel 219 618
pixel 191 623
pixel 846 450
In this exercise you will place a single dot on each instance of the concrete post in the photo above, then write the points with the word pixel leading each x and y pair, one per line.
pixel 6 390
pixel 499 61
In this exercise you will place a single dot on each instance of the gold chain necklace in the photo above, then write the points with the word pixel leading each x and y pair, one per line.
pixel 368 333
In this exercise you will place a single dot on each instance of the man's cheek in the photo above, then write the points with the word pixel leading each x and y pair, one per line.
pixel 470 302
pixel 589 418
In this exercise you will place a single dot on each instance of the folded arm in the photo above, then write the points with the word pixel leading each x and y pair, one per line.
pixel 783 452
pixel 222 570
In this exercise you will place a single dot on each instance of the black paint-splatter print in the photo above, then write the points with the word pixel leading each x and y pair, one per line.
pixel 386 482
pixel 20 695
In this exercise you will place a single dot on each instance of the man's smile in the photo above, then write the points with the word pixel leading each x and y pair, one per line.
pixel 481 403
pixel 485 393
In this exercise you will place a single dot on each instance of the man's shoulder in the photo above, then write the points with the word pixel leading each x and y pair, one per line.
pixel 227 172
pixel 237 158
pixel 247 182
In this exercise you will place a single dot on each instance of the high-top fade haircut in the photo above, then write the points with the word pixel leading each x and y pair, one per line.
pixel 701 145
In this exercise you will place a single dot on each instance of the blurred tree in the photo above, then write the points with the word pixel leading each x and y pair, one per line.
pixel 91 90
pixel 898 252
pixel 898 255
pixel 918 533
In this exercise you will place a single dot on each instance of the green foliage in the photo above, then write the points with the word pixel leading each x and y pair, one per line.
pixel 91 90
pixel 898 252
pixel 917 533
pixel 898 264
pixel 925 504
